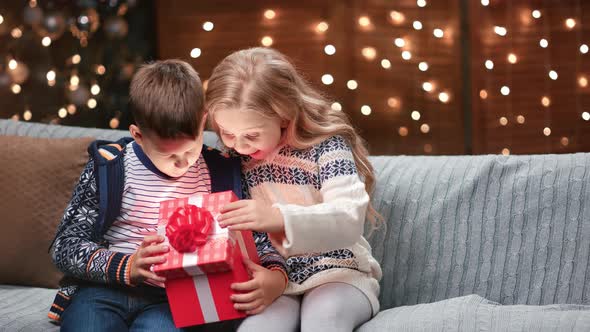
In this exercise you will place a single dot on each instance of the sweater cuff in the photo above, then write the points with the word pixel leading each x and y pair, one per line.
pixel 60 303
pixel 119 268
pixel 270 260
pixel 284 242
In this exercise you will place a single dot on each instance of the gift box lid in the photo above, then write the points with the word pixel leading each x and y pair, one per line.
pixel 216 254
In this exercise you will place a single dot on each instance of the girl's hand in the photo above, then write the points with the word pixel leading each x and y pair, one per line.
pixel 251 215
pixel 150 252
pixel 260 292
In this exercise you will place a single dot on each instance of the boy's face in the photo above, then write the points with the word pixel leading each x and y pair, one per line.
pixel 248 132
pixel 173 156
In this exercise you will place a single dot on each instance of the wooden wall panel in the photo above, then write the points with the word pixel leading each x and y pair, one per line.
pixel 241 24
pixel 528 78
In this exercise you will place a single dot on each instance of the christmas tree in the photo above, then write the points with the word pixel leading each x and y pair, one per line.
pixel 70 62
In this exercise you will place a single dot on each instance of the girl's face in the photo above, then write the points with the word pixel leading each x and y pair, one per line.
pixel 248 132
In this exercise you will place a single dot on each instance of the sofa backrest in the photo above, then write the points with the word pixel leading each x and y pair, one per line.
pixel 19 128
pixel 513 229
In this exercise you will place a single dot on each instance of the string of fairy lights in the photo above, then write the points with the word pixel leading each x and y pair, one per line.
pixel 536 16
pixel 407 46
pixel 404 46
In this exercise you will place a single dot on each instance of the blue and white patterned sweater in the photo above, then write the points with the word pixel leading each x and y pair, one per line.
pixel 323 202
pixel 80 249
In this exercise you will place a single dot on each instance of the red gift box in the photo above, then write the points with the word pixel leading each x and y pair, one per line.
pixel 198 282
pixel 205 298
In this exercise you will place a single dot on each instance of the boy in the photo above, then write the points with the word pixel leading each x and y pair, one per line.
pixel 107 242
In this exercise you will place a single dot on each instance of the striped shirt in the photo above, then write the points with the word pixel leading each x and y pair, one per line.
pixel 145 187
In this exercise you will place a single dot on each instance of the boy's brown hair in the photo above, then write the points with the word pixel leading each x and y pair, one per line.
pixel 166 99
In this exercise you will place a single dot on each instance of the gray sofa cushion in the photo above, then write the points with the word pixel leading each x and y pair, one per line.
pixel 25 309
pixel 474 313
pixel 513 229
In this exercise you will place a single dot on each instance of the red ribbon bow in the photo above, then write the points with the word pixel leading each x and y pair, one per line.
pixel 188 228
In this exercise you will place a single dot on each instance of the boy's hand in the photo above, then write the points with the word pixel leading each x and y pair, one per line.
pixel 249 214
pixel 260 292
pixel 150 252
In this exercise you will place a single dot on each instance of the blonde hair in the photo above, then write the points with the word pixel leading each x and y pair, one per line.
pixel 265 81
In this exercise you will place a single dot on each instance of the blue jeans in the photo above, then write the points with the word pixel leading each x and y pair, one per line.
pixel 112 308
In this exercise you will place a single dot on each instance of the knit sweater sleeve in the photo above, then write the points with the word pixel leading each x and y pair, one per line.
pixel 76 250
pixel 269 256
pixel 338 221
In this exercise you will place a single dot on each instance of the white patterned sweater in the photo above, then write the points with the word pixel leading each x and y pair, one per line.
pixel 323 202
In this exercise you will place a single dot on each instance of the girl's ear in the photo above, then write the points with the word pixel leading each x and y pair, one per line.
pixel 284 124
pixel 203 123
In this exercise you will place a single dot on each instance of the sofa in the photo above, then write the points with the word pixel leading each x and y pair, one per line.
pixel 467 243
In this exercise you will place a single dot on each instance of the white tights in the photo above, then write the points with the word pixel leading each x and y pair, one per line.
pixel 330 307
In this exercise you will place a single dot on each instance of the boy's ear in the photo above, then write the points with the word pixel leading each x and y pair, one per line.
pixel 136 134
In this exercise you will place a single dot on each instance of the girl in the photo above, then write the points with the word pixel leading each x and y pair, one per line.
pixel 307 174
